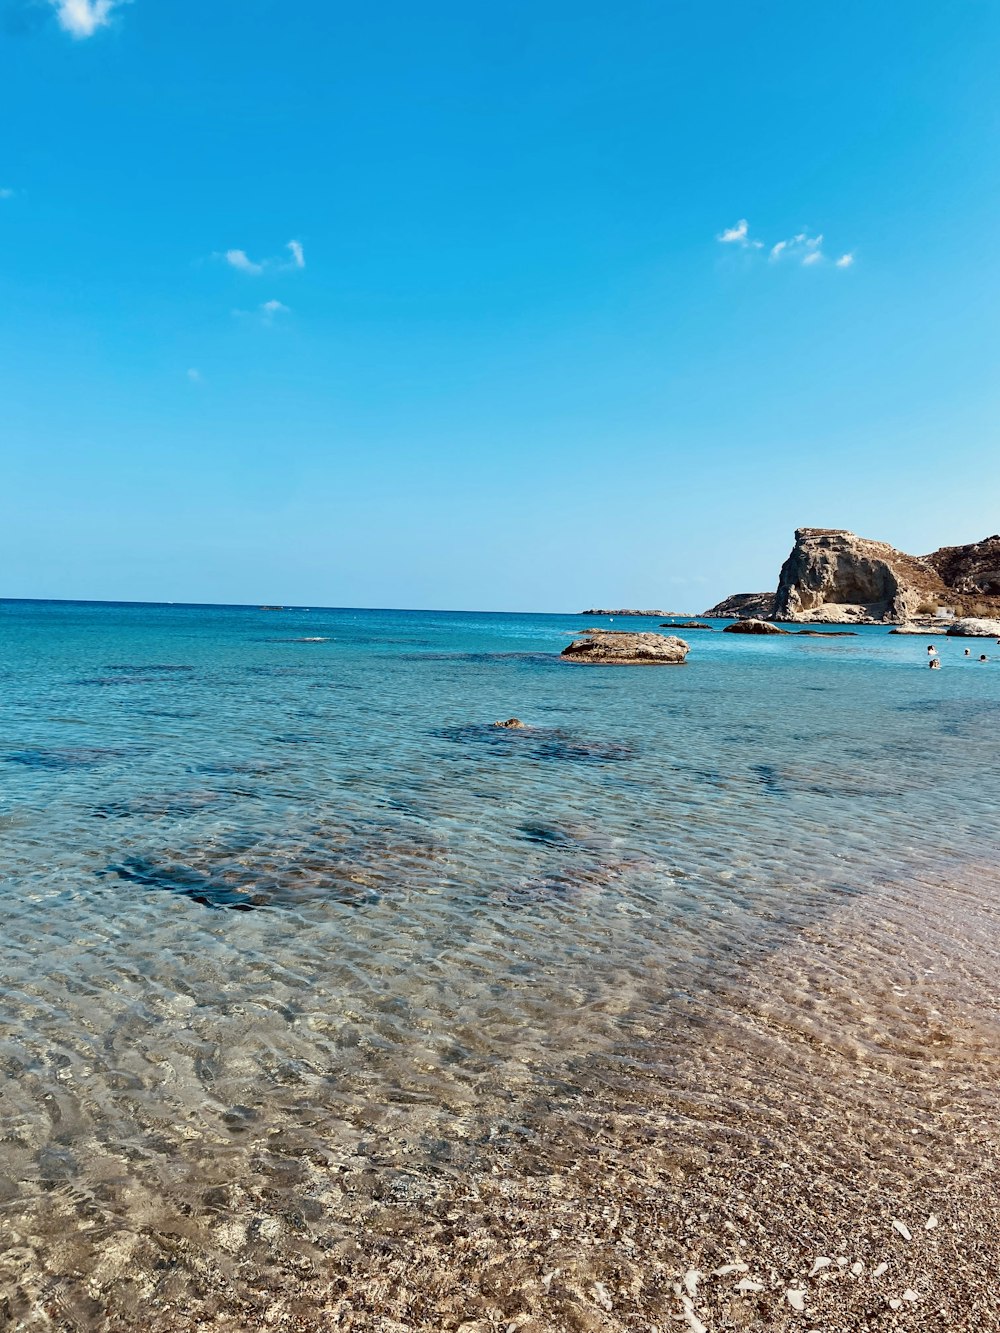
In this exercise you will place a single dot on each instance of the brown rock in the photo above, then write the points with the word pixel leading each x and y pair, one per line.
pixel 621 647
pixel 754 627
pixel 834 575
pixel 744 606
pixel 512 724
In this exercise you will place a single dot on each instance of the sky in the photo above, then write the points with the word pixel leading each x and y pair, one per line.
pixel 527 306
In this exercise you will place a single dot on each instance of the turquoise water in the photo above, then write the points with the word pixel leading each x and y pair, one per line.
pixel 259 890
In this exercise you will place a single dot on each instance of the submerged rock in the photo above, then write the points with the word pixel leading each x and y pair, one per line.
pixel 512 724
pixel 621 647
pixel 975 628
pixel 754 627
pixel 685 624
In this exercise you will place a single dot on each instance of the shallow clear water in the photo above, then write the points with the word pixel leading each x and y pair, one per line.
pixel 270 902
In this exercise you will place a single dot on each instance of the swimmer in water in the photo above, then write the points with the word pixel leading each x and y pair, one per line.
pixel 968 651
pixel 983 657
pixel 935 664
pixel 931 649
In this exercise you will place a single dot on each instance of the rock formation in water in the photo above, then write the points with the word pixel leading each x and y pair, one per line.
pixel 619 647
pixel 754 627
pixel 684 624
pixel 975 628
pixel 744 606
pixel 835 576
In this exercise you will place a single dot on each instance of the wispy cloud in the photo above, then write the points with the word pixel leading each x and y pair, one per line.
pixel 798 249
pixel 82 18
pixel 239 259
pixel 735 235
pixel 739 235
pixel 194 375
pixel 7 193
pixel 267 313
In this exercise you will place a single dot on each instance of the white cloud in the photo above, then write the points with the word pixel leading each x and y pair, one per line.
pixel 82 18
pixel 735 235
pixel 269 309
pixel 800 248
pixel 194 375
pixel 239 259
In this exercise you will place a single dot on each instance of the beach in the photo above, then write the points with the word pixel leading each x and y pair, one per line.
pixel 332 1005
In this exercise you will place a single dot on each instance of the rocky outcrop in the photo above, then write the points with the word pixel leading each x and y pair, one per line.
pixel 971 571
pixel 593 612
pixel 619 647
pixel 744 606
pixel 684 624
pixel 511 724
pixel 753 627
pixel 834 575
pixel 975 628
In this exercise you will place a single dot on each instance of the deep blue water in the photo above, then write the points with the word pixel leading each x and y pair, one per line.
pixel 279 867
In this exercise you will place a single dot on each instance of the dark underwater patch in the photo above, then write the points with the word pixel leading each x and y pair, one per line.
pixel 175 805
pixel 62 760
pixel 187 883
pixel 541 743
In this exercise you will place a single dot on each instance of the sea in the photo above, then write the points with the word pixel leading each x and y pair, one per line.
pixel 296 942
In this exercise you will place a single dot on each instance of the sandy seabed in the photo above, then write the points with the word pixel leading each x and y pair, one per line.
pixel 816 1150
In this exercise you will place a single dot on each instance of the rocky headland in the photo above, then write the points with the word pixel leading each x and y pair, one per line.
pixel 834 576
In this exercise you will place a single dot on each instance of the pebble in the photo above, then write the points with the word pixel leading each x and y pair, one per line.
pixel 602 1297
pixel 882 1268
pixel 726 1269
pixel 796 1298
pixel 910 1295
pixel 747 1284
pixel 857 1268
pixel 931 1223
pixel 902 1228
pixel 690 1318
pixel 818 1264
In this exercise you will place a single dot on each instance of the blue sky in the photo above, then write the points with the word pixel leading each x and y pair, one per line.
pixel 427 305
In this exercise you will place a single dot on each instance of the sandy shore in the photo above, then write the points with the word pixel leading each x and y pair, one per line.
pixel 815 1150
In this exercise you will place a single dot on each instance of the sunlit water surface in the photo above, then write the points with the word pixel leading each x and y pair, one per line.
pixel 276 892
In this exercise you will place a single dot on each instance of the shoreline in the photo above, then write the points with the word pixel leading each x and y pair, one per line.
pixel 800 1106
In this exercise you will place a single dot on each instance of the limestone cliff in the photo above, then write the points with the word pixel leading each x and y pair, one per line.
pixel 835 575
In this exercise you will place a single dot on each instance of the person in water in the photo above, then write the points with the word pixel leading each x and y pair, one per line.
pixel 935 664
pixel 931 649
pixel 983 657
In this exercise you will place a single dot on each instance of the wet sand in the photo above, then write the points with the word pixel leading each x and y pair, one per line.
pixel 809 1144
